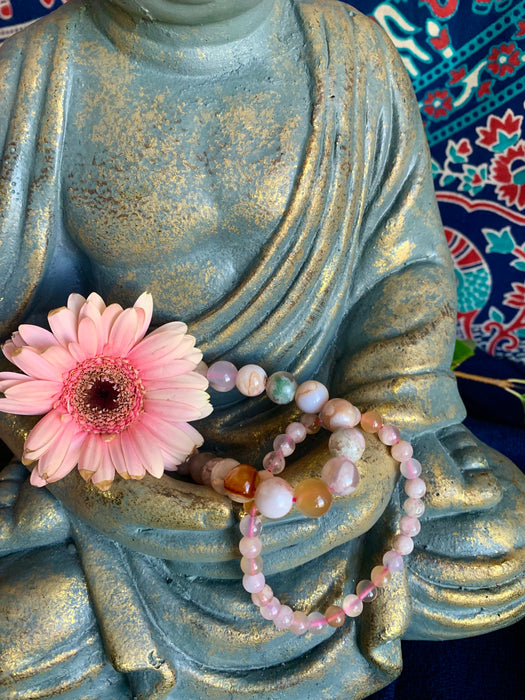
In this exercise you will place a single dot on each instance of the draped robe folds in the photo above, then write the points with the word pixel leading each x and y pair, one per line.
pixel 355 288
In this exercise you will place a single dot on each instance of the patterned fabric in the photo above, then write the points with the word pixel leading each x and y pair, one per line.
pixel 467 62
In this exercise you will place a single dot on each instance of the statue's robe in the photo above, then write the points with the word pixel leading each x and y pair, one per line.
pixel 356 287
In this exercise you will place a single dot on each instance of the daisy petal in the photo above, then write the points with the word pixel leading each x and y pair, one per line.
pixel 36 479
pixel 147 449
pixel 91 453
pixel 88 336
pixel 134 464
pixel 37 337
pixel 36 390
pixel 108 319
pixel 75 302
pixel 173 411
pixel 60 358
pixel 97 301
pixel 44 431
pixel 122 334
pixel 167 371
pixel 8 379
pixel 20 408
pixel 34 364
pixel 63 323
pixel 105 474
pixel 117 457
pixel 92 312
pixel 69 460
pixel 52 459
pixel 144 302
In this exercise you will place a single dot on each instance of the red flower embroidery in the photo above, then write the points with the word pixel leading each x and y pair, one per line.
pixel 504 59
pixel 507 170
pixel 499 134
pixel 516 299
pixel 438 104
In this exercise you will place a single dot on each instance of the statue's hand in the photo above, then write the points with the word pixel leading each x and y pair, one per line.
pixel 456 471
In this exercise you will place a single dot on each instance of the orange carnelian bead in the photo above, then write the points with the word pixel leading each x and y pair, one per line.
pixel 335 616
pixel 241 482
pixel 313 497
pixel 371 421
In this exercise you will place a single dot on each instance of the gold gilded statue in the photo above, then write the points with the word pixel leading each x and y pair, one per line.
pixel 259 167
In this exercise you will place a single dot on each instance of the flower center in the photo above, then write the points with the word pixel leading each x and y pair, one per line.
pixel 103 394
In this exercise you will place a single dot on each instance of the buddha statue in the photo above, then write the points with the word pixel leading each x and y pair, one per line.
pixel 260 167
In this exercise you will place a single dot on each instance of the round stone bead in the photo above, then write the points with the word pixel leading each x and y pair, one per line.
pixel 274 498
pixel 347 442
pixel 219 473
pixel 339 413
pixel 241 483
pixel 250 527
pixel 380 576
pixel 311 396
pixel 311 422
pixel 317 623
pixel 409 526
pixel 274 462
pixel 250 547
pixel 415 488
pixel 414 507
pixel 402 451
pixel 366 591
pixel 411 468
pixel 300 623
pixel 252 566
pixel 313 497
pixel 263 597
pixel 253 584
pixel 296 431
pixel 403 544
pixel 251 380
pixel 222 375
pixel 389 434
pixel 202 369
pixel 340 475
pixel 352 605
pixel 281 388
pixel 371 421
pixel 207 470
pixel 183 469
pixel 393 560
pixel 270 611
pixel 335 616
pixel 196 463
pixel 284 444
pixel 284 618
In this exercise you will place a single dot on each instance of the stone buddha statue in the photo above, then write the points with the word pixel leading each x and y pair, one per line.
pixel 260 167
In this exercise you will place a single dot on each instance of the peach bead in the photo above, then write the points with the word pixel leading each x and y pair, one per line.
pixel 414 507
pixel 241 483
pixel 311 396
pixel 409 526
pixel 313 497
pixel 274 497
pixel 300 623
pixel 335 616
pixel 311 422
pixel 339 413
pixel 253 584
pixel 393 560
pixel 366 591
pixel 402 451
pixel 251 380
pixel 252 566
pixel 371 421
pixel 250 547
pixel 271 610
pixel 263 597
pixel 296 431
pixel 410 469
pixel 284 618
pixel 403 544
pixel 388 434
pixel 341 476
pixel 317 623
pixel 380 576
pixel 415 488
pixel 219 473
pixel 352 605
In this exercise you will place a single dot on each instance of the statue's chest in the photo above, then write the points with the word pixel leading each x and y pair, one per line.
pixel 169 181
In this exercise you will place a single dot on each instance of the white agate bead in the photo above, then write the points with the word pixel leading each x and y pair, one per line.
pixel 274 498
pixel 347 442
pixel 311 396
pixel 341 476
pixel 251 380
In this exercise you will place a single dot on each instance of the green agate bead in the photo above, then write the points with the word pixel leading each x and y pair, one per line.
pixel 281 387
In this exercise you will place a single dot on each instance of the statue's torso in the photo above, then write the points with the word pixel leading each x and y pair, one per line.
pixel 175 184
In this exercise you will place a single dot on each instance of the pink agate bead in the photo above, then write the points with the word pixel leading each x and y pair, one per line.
pixel 284 618
pixel 414 507
pixel 317 623
pixel 222 375
pixel 219 472
pixel 403 544
pixel 410 469
pixel 415 488
pixel 253 584
pixel 347 442
pixel 250 547
pixel 271 610
pixel 381 576
pixel 251 380
pixel 402 451
pixel 371 421
pixel 389 434
pixel 311 422
pixel 341 476
pixel 352 605
pixel 274 498
pixel 311 396
pixel 393 560
pixel 284 443
pixel 263 597
pixel 409 526
pixel 296 431
pixel 250 526
pixel 366 591
pixel 339 413
pixel 300 623
pixel 252 566
pixel 274 462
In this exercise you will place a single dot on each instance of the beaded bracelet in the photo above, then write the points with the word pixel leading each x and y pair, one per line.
pixel 264 494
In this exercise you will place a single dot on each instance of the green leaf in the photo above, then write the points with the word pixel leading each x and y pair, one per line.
pixel 462 351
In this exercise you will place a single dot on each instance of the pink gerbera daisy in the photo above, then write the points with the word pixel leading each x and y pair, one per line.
pixel 115 401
